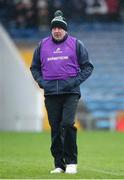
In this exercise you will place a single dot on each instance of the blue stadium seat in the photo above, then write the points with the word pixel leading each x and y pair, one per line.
pixel 104 91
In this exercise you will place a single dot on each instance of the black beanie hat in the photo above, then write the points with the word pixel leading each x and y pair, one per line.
pixel 59 20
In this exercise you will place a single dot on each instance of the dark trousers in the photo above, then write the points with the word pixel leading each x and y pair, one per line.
pixel 61 111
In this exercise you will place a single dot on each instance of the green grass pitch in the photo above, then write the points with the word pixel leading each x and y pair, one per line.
pixel 27 155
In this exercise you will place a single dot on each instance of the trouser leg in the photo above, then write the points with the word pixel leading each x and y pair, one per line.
pixel 70 132
pixel 54 110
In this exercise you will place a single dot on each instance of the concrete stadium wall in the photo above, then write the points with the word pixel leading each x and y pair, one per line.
pixel 21 102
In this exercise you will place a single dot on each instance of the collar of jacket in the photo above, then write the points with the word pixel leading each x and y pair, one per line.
pixel 58 42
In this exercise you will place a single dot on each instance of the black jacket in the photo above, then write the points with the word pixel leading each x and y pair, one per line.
pixel 71 85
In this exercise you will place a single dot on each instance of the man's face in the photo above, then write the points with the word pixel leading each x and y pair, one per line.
pixel 58 33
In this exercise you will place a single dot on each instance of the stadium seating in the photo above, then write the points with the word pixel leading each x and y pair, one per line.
pixel 103 93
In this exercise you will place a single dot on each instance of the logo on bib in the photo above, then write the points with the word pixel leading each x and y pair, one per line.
pixel 57 58
pixel 58 50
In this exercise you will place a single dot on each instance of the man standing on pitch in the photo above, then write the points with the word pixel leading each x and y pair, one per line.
pixel 60 64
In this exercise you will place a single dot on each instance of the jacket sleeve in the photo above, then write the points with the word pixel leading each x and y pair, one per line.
pixel 36 68
pixel 86 66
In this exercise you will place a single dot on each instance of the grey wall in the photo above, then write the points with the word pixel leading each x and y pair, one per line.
pixel 21 102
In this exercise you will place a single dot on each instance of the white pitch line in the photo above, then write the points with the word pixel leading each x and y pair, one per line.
pixel 105 172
